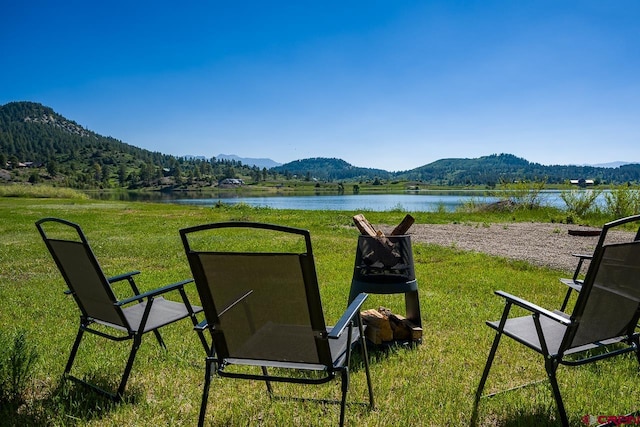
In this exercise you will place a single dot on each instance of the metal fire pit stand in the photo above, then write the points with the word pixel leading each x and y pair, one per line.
pixel 379 270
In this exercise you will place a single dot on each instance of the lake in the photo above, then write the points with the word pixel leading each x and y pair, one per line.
pixel 422 201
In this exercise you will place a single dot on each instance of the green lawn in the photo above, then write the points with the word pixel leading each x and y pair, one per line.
pixel 431 385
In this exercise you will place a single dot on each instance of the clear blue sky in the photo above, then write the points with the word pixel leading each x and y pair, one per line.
pixel 387 84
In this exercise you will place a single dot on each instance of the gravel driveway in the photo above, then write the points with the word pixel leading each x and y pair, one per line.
pixel 548 245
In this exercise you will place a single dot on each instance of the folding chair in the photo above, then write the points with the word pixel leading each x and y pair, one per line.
pixel 263 308
pixel 604 318
pixel 130 318
pixel 575 282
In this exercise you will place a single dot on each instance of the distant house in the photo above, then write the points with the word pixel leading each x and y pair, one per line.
pixel 581 182
pixel 231 182
pixel 22 164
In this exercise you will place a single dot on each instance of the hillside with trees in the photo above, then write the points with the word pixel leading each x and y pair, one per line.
pixel 491 170
pixel 486 171
pixel 329 169
pixel 39 145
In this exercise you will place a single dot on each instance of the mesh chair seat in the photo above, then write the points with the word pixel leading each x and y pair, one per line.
pixel 523 330
pixel 275 341
pixel 575 284
pixel 163 312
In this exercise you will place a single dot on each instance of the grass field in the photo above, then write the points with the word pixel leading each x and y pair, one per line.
pixel 432 384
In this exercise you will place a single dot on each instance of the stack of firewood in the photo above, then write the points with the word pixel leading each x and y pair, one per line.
pixel 367 229
pixel 384 326
pixel 389 256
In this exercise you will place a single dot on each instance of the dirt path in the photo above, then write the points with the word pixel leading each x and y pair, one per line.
pixel 541 244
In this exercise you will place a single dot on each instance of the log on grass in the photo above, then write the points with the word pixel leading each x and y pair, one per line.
pixel 379 325
pixel 404 329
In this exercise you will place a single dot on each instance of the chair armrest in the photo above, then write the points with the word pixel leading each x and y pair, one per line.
pixel 202 325
pixel 123 276
pixel 582 257
pixel 154 292
pixel 533 307
pixel 347 317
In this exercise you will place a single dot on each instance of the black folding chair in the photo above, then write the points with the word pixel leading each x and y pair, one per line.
pixel 261 300
pixel 130 318
pixel 575 282
pixel 604 318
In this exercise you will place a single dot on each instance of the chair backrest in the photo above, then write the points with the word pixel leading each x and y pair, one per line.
pixel 263 304
pixel 608 305
pixel 81 271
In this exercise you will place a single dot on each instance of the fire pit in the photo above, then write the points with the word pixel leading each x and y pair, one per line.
pixel 387 268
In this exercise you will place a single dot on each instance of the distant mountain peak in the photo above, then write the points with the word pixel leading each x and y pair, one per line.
pixel 249 161
pixel 611 164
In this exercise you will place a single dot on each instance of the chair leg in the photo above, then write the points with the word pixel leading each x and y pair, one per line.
pixel 127 370
pixel 483 380
pixel 345 388
pixel 203 341
pixel 267 382
pixel 74 350
pixel 365 355
pixel 205 392
pixel 636 341
pixel 551 365
pixel 194 321
pixel 159 339
pixel 566 300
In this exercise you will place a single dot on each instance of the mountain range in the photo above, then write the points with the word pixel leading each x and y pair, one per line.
pixel 34 134
pixel 250 161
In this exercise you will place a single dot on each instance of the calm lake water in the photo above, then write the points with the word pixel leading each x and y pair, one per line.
pixel 418 201
pixel 423 201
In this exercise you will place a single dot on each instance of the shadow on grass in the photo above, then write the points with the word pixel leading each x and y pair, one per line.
pixel 539 418
pixel 68 404
pixel 380 352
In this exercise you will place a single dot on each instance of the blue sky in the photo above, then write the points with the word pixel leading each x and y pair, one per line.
pixel 386 84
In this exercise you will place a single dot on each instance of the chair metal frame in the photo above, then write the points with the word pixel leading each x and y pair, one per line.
pixel 149 310
pixel 219 358
pixel 536 330
pixel 575 283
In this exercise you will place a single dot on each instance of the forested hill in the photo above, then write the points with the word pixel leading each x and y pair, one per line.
pixel 486 171
pixel 329 169
pixel 33 132
pixel 490 170
pixel 60 150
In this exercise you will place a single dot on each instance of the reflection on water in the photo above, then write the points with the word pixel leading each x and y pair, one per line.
pixel 419 201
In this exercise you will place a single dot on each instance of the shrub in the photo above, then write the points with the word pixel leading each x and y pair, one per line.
pixel 520 194
pixel 40 191
pixel 622 201
pixel 17 358
pixel 580 202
